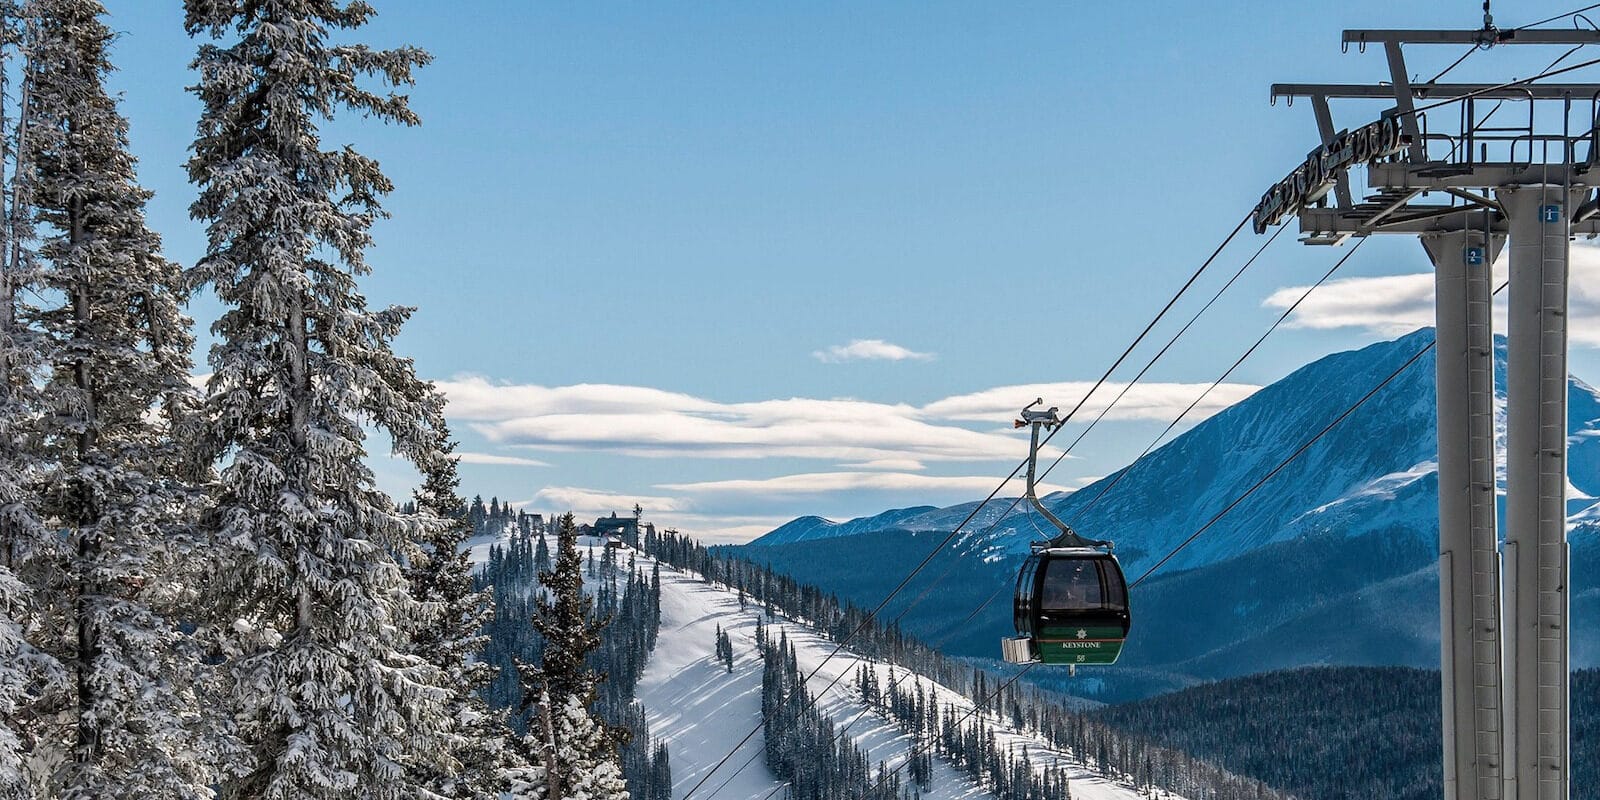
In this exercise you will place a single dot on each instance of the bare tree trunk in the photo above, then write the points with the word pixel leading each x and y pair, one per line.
pixel 7 294
pixel 19 201
pixel 11 206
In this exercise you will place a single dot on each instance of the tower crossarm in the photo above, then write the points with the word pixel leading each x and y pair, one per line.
pixel 1438 91
pixel 1566 36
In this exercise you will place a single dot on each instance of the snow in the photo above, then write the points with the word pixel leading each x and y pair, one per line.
pixel 692 703
pixel 701 711
pixel 477 547
pixel 1587 515
pixel 1383 487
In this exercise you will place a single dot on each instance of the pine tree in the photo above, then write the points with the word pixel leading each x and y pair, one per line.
pixel 452 638
pixel 583 752
pixel 724 648
pixel 32 681
pixel 562 736
pixel 660 774
pixel 311 598
pixel 116 349
pixel 564 622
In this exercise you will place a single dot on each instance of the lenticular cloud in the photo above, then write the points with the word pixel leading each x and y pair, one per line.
pixel 651 423
pixel 869 350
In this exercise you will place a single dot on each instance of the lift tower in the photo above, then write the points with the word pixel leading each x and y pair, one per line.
pixel 1511 161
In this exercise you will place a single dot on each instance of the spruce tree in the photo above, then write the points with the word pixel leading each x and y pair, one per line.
pixel 572 749
pixel 116 353
pixel 541 555
pixel 564 622
pixel 312 599
pixel 452 638
pixel 32 681
pixel 584 756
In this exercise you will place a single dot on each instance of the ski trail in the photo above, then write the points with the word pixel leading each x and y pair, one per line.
pixel 692 702
pixel 702 711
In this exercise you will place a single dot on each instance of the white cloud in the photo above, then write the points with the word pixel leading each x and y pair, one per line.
pixel 834 482
pixel 595 502
pixel 868 350
pixel 666 512
pixel 651 423
pixel 740 510
pixel 1391 305
pixel 1145 401
pixel 476 398
pixel 889 464
pixel 499 460
pixel 720 529
pixel 647 422
pixel 878 454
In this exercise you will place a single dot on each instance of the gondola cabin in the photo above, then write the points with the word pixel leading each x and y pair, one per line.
pixel 1071 608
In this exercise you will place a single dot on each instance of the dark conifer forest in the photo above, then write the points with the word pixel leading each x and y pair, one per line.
pixel 1334 733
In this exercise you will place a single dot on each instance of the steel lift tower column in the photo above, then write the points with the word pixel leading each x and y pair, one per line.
pixel 1537 685
pixel 1523 176
pixel 1469 561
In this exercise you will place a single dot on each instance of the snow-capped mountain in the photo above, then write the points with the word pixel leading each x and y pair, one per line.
pixel 1331 561
pixel 802 529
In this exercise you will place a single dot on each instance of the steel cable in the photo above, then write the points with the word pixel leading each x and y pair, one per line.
pixel 971 515
pixel 1170 303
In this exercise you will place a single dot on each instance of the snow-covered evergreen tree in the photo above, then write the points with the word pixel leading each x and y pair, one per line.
pixel 724 648
pixel 541 555
pixel 584 755
pixel 116 351
pixel 80 450
pixel 562 736
pixel 574 758
pixel 563 620
pixel 452 638
pixel 331 696
pixel 31 680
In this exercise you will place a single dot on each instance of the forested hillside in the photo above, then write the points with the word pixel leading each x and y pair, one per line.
pixel 628 600
pixel 1334 733
pixel 962 737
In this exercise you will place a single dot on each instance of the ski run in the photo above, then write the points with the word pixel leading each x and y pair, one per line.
pixel 702 711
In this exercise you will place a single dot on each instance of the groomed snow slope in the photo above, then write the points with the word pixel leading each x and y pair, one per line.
pixel 702 711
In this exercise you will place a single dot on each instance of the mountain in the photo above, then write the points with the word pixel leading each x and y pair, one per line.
pixel 1332 561
pixel 804 529
pixel 914 519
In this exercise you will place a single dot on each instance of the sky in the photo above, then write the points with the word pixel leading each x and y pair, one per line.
pixel 741 262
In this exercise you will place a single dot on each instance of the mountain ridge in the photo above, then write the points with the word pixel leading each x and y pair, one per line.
pixel 1347 531
pixel 1252 425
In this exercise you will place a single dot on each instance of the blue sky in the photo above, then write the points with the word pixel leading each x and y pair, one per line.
pixel 744 261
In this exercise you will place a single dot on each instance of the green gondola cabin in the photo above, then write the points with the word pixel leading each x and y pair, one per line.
pixel 1071 608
